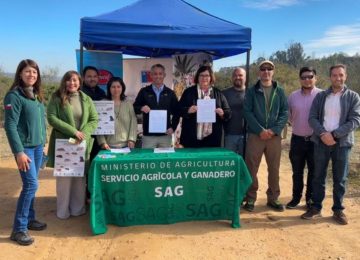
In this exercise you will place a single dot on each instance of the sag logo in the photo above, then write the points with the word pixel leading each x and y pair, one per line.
pixel 168 191
pixel 104 76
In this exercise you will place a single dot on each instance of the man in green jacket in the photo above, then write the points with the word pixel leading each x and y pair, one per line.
pixel 266 113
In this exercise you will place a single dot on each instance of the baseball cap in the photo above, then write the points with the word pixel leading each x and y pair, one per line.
pixel 266 62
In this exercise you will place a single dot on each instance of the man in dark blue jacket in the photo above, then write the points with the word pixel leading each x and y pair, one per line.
pixel 157 97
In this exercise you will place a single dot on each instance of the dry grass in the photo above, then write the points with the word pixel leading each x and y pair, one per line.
pixel 4 145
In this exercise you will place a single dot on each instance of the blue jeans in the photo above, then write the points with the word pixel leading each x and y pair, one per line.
pixel 340 168
pixel 25 204
pixel 235 143
pixel 301 154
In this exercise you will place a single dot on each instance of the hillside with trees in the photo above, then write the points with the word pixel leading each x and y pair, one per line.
pixel 287 62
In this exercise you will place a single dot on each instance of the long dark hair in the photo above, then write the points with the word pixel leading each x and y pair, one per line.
pixel 18 82
pixel 108 86
pixel 61 92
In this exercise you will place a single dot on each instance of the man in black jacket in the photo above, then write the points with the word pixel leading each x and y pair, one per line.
pixel 90 87
pixel 157 97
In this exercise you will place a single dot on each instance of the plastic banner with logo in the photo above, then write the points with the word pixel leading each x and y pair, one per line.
pixel 142 187
pixel 108 63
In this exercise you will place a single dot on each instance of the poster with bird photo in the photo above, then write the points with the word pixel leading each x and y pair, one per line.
pixel 69 158
pixel 106 115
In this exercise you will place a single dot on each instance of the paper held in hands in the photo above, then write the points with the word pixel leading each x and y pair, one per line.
pixel 157 121
pixel 206 111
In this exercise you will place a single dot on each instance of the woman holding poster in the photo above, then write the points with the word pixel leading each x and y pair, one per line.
pixel 125 119
pixel 72 115
pixel 202 125
pixel 26 132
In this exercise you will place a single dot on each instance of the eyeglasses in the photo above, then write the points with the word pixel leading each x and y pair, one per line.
pixel 266 69
pixel 307 77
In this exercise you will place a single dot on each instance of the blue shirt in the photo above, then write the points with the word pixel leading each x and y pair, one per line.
pixel 157 91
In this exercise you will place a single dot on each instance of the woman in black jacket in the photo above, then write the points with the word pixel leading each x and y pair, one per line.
pixel 195 134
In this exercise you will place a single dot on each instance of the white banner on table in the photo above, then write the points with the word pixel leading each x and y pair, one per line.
pixel 69 159
pixel 105 110
pixel 206 111
pixel 157 121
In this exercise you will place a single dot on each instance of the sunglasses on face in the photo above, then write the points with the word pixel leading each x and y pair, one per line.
pixel 307 77
pixel 266 69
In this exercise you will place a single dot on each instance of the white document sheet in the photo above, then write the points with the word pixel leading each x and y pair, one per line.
pixel 206 111
pixel 157 121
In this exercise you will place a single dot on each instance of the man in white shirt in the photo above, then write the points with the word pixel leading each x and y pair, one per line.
pixel 334 115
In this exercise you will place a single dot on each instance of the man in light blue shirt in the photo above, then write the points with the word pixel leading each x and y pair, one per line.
pixel 157 97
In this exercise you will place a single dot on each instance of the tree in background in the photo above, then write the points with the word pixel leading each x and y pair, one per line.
pixel 289 61
pixel 50 80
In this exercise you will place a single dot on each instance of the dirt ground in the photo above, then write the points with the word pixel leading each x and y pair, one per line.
pixel 264 234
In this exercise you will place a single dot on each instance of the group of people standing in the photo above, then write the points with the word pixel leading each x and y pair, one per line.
pixel 249 118
pixel 323 124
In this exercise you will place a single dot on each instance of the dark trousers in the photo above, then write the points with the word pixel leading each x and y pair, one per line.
pixel 339 157
pixel 301 154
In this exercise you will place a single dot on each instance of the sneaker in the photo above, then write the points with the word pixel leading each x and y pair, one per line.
pixel 308 204
pixel 36 225
pixel 340 217
pixel 22 238
pixel 249 205
pixel 276 205
pixel 292 204
pixel 311 213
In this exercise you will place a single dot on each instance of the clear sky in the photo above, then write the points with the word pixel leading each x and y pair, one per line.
pixel 48 30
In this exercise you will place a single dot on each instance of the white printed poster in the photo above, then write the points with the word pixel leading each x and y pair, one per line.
pixel 105 110
pixel 69 159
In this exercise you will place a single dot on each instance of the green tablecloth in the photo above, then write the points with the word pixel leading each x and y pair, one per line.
pixel 142 187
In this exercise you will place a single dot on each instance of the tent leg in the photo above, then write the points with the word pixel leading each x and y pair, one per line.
pixel 81 58
pixel 246 85
pixel 247 68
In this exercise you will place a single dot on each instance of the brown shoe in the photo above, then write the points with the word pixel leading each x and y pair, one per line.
pixel 311 213
pixel 340 217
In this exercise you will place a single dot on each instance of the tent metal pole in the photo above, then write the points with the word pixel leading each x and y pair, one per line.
pixel 246 86
pixel 81 58
pixel 247 68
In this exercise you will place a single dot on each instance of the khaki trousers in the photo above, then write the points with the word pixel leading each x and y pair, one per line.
pixel 255 148
pixel 154 141
pixel 70 196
